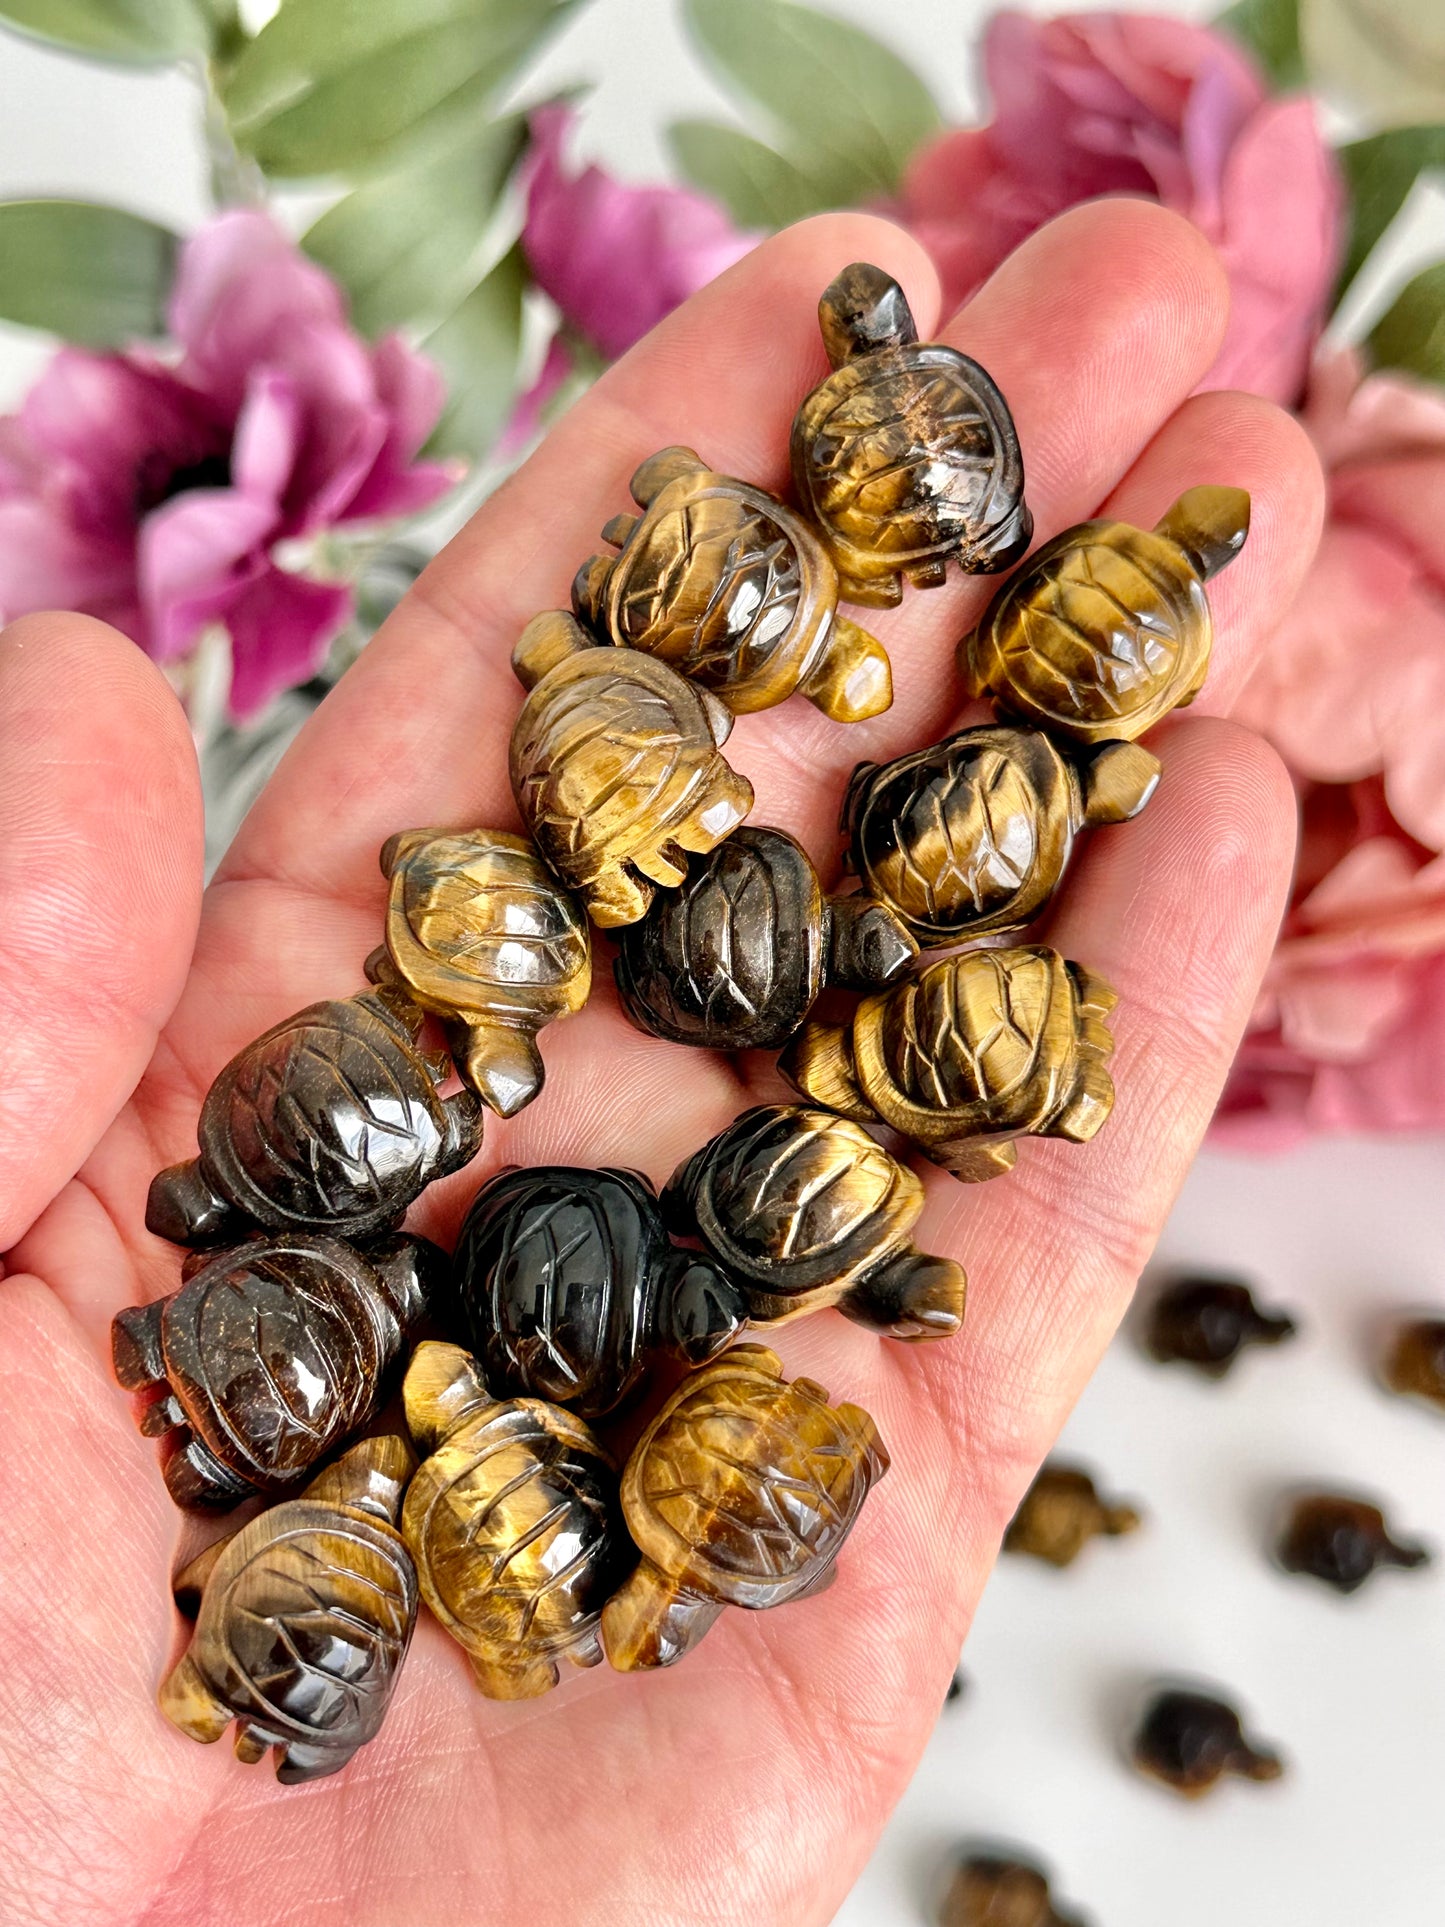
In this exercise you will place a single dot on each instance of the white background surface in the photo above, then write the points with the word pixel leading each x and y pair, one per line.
pixel 1353 1691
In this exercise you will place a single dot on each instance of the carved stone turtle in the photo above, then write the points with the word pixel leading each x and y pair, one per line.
pixel 332 1121
pixel 513 1523
pixel 806 1210
pixel 1207 1322
pixel 1414 1362
pixel 732 589
pixel 303 1619
pixel 971 837
pixel 479 932
pixel 998 1890
pixel 1060 1513
pixel 615 767
pixel 1108 627
pixel 1191 1740
pixel 906 454
pixel 734 958
pixel 566 1287
pixel 268 1357
pixel 1341 1540
pixel 739 1493
pixel 979 1050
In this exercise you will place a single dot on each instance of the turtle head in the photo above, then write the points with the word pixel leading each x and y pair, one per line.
pixel 370 1478
pixel 589 591
pixel 1210 525
pixel 862 311
pixel 701 1310
pixel 398 848
pixel 412 1273
pixel 443 1386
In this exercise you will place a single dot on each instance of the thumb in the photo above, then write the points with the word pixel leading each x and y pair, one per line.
pixel 100 889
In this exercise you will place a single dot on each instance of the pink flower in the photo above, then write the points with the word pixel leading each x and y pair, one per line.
pixel 154 493
pixel 1117 103
pixel 614 259
pixel 1350 1030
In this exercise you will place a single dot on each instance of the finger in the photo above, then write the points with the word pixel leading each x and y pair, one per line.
pixel 100 886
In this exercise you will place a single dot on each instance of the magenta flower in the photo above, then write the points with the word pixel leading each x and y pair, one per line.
pixel 614 259
pixel 156 493
pixel 1117 103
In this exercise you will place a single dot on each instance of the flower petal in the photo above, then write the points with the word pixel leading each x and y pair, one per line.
pixel 281 628
pixel 195 556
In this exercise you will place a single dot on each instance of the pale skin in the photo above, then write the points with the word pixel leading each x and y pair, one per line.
pixel 747 1786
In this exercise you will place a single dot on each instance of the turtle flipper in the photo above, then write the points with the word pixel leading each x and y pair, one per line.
pixel 188 1586
pixel 299 1761
pixel 189 1704
pixel 1117 780
pixel 513 1679
pixel 912 1297
pixel 868 944
pixel 819 1065
pixel 549 638
pixel 871 592
pixel 182 1207
pixel 442 1387
pixel 1007 544
pixel 500 1062
pixel 616 897
pixel 704 1309
pixel 197 1480
pixel 136 1348
pixel 852 678
pixel 650 1623
pixel 975 1160
pixel 466 1122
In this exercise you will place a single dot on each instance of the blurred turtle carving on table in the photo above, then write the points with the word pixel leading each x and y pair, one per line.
pixel 906 454
pixel 998 1890
pixel 1190 1741
pixel 1207 1322
pixel 1414 1365
pixel 1341 1541
pixel 721 581
pixel 1061 1512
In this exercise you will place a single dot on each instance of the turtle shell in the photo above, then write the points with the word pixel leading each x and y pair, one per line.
pixel 794 1199
pixel 333 1114
pixel 1105 631
pixel 721 581
pixel 557 1278
pixel 611 749
pixel 733 958
pixel 749 1484
pixel 480 908
pixel 515 1524
pixel 278 1350
pixel 909 454
pixel 304 1625
pixel 966 838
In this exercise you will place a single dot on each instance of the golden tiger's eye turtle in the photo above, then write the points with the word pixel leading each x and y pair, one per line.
pixel 1060 1513
pixel 333 1121
pixel 1341 1541
pixel 303 1619
pixel 734 958
pixel 978 1051
pixel 513 1523
pixel 268 1357
pixel 615 767
pixel 480 932
pixel 906 454
pixel 1192 1740
pixel 971 837
pixel 732 589
pixel 803 1210
pixel 739 1493
pixel 1108 628
pixel 998 1890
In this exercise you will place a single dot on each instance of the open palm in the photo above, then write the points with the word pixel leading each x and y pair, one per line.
pixel 748 1785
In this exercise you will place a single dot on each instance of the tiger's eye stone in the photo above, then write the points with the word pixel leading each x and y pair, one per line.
pixel 971 837
pixel 1190 1741
pixel 513 1523
pixel 991 1890
pixel 1415 1362
pixel 567 1288
pixel 978 1051
pixel 1341 1541
pixel 303 1619
pixel 804 1210
pixel 906 454
pixel 480 933
pixel 615 768
pixel 1208 1322
pixel 735 957
pixel 1108 628
pixel 268 1357
pixel 333 1121
pixel 1060 1513
pixel 732 589
pixel 740 1493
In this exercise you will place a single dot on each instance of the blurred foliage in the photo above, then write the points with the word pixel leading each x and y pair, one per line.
pixel 1379 174
pixel 142 32
pixel 94 275
pixel 479 349
pixel 1269 29
pixel 1411 336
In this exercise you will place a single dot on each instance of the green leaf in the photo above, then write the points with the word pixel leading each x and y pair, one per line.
pixel 1379 173
pixel 1269 29
pixel 757 185
pixel 339 86
pixel 479 348
pixel 95 275
pixel 134 31
pixel 404 246
pixel 1412 335
pixel 848 108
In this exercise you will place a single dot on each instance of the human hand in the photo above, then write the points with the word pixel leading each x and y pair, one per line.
pixel 747 1786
